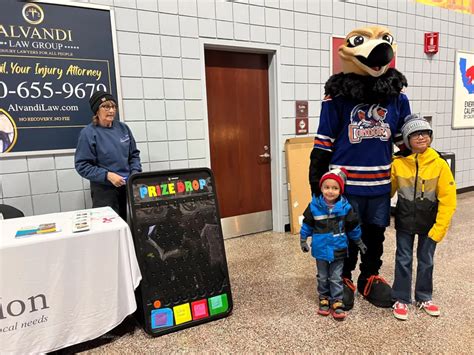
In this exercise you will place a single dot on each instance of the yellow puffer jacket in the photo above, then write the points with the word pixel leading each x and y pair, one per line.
pixel 426 194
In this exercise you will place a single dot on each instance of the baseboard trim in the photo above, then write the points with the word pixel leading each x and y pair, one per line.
pixel 465 189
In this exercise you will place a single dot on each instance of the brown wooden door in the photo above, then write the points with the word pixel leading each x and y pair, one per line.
pixel 238 111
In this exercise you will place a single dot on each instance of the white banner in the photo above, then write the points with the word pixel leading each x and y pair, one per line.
pixel 463 100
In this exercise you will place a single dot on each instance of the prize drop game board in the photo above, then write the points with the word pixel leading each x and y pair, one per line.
pixel 180 248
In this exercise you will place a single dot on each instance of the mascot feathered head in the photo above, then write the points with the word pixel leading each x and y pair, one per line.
pixel 367 51
pixel 366 77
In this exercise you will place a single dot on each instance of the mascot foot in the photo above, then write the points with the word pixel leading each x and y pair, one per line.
pixel 348 296
pixel 375 290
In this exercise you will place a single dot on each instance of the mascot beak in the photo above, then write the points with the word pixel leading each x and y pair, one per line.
pixel 367 51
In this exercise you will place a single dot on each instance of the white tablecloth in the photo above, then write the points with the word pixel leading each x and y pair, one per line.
pixel 64 288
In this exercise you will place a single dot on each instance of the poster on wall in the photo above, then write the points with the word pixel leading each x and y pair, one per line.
pixel 465 6
pixel 463 100
pixel 53 57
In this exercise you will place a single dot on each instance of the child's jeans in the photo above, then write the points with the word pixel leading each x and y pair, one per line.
pixel 330 279
pixel 401 290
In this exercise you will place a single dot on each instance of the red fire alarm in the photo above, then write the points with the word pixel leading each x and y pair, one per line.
pixel 431 42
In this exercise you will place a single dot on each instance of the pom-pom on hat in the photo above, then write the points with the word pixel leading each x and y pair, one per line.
pixel 98 98
pixel 414 123
pixel 339 174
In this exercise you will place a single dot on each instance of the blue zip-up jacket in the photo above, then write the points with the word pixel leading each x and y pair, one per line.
pixel 103 149
pixel 329 229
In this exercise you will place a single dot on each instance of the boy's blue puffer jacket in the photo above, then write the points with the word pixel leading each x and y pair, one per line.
pixel 329 230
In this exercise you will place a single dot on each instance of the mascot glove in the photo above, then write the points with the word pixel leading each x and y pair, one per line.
pixel 361 246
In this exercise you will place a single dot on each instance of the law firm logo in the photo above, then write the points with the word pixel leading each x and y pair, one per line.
pixel 33 14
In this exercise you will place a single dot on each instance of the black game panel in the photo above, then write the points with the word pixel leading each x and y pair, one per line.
pixel 180 248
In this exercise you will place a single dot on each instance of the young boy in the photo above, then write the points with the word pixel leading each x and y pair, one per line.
pixel 329 219
pixel 426 203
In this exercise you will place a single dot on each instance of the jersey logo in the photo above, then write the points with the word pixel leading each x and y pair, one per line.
pixel 125 138
pixel 368 122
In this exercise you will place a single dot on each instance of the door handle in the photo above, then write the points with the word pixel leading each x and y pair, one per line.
pixel 265 157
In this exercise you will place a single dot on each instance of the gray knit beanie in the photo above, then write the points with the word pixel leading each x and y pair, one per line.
pixel 414 123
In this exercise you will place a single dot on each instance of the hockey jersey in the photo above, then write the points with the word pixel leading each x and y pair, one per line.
pixel 360 138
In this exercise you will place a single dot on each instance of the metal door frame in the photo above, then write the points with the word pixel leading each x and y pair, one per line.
pixel 274 109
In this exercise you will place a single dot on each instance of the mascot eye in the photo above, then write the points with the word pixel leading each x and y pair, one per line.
pixel 355 41
pixel 388 38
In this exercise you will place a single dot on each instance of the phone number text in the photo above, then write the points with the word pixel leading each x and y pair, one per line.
pixel 35 90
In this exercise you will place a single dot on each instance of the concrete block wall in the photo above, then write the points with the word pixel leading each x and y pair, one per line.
pixel 160 72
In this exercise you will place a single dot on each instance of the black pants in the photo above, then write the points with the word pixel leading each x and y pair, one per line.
pixel 373 237
pixel 115 197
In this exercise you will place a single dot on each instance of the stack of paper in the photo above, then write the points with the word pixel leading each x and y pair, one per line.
pixel 41 229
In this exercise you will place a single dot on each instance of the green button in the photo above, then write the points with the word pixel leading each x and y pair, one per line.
pixel 218 304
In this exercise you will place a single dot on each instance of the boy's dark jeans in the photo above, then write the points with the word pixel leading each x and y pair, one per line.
pixel 330 279
pixel 401 290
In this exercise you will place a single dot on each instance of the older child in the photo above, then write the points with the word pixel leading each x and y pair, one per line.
pixel 329 219
pixel 426 203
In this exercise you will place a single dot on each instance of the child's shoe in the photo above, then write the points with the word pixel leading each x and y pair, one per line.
pixel 400 310
pixel 323 307
pixel 338 312
pixel 429 308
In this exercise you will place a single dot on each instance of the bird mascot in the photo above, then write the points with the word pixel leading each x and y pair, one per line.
pixel 361 116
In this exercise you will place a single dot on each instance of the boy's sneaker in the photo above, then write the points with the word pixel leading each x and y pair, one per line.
pixel 338 312
pixel 324 307
pixel 430 308
pixel 400 310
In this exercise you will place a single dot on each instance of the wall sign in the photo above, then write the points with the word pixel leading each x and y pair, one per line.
pixel 301 125
pixel 431 42
pixel 50 64
pixel 301 122
pixel 465 6
pixel 301 108
pixel 463 100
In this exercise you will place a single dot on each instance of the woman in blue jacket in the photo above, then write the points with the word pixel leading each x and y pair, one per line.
pixel 107 154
